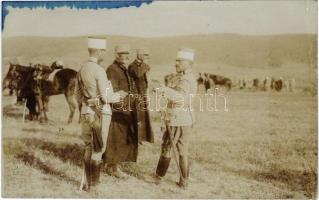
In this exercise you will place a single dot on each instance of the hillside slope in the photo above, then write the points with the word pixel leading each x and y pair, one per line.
pixel 229 49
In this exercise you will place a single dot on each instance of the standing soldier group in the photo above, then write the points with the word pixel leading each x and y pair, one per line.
pixel 115 117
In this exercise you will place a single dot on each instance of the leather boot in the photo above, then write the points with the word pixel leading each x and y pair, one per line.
pixel 162 166
pixel 88 173
pixel 183 181
pixel 95 167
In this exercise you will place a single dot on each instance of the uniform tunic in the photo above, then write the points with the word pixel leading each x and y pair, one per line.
pixel 179 114
pixel 92 82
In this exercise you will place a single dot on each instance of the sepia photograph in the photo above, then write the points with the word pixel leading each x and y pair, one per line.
pixel 159 99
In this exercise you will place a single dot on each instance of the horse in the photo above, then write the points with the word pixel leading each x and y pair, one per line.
pixel 221 80
pixel 32 84
pixel 63 82
pixel 20 78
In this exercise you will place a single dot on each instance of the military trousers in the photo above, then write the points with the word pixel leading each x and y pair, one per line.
pixel 180 135
pixel 90 123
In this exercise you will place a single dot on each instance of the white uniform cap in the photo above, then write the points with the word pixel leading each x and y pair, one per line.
pixel 185 54
pixel 122 49
pixel 96 43
pixel 59 63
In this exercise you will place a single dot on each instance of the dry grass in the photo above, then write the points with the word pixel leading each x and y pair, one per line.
pixel 265 146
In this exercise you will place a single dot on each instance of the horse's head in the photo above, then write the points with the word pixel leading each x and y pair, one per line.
pixel 10 79
pixel 57 65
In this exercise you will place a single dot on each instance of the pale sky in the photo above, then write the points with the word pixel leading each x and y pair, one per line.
pixel 170 18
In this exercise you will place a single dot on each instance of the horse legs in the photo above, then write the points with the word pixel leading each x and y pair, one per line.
pixel 45 101
pixel 31 105
pixel 72 105
pixel 40 107
pixel 207 86
pixel 80 109
pixel 229 85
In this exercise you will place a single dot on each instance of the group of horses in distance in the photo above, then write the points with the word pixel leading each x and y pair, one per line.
pixel 268 84
pixel 212 81
pixel 31 83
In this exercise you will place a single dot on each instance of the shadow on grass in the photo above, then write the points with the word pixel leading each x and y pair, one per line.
pixel 13 111
pixel 136 171
pixel 21 151
pixel 304 180
pixel 295 179
pixel 66 152
pixel 30 159
pixel 72 153
pixel 39 130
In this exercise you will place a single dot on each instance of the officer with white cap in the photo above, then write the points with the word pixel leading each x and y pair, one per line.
pixel 95 92
pixel 179 117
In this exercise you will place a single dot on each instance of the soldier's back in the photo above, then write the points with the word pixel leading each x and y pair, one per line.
pixel 89 73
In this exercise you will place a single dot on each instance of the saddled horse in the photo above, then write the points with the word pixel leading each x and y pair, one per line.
pixel 40 88
pixel 63 82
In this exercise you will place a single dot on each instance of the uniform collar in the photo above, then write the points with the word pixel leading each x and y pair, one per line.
pixel 93 59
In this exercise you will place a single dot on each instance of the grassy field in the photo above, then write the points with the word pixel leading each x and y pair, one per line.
pixel 265 146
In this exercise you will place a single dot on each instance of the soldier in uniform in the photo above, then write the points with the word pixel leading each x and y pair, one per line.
pixel 179 118
pixel 94 92
pixel 138 70
pixel 122 142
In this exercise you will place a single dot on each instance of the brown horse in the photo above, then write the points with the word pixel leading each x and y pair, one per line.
pixel 32 83
pixel 20 79
pixel 221 80
pixel 8 81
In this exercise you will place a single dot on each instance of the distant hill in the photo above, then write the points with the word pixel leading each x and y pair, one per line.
pixel 230 49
